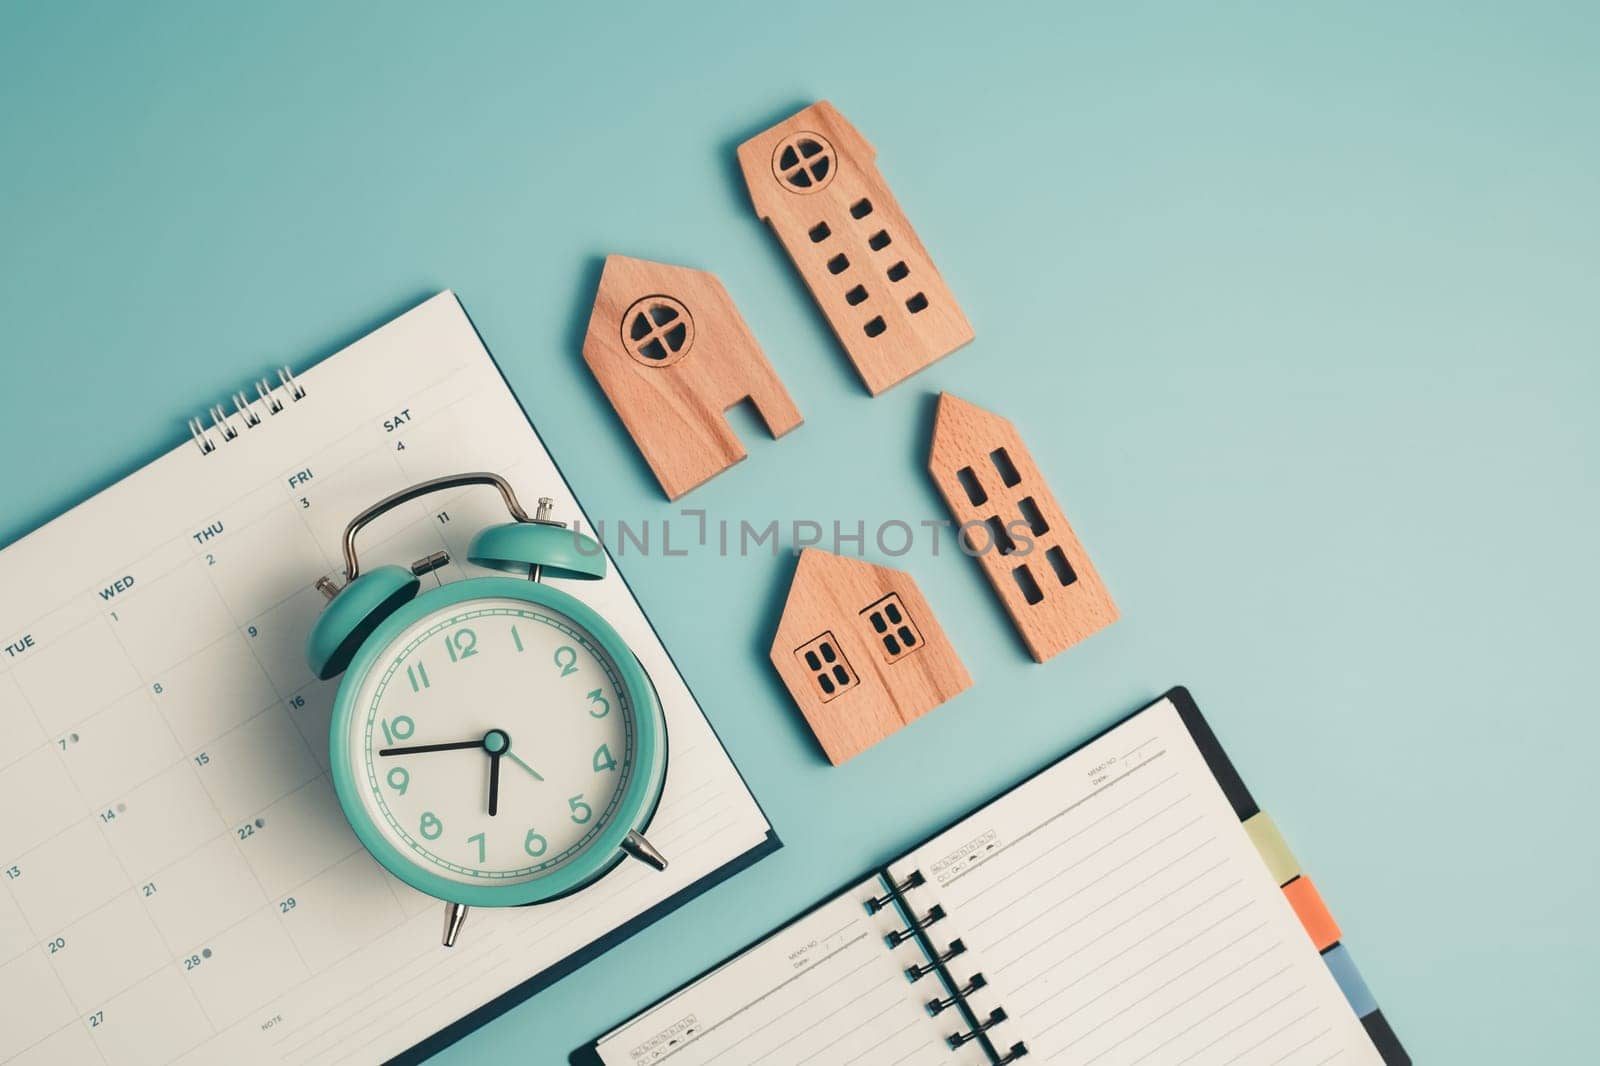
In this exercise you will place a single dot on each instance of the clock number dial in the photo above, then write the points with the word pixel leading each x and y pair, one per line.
pixel 417 674
pixel 564 771
pixel 401 727
pixel 462 644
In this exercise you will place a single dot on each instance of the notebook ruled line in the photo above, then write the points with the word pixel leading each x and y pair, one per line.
pixel 783 1042
pixel 1054 818
pixel 1130 860
pixel 1282 1028
pixel 1096 851
pixel 1134 917
pixel 1300 1047
pixel 1207 1017
pixel 1163 957
pixel 893 1003
pixel 886 1039
pixel 1220 1037
pixel 768 994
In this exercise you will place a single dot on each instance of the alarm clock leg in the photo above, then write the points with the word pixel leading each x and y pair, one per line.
pixel 637 846
pixel 455 916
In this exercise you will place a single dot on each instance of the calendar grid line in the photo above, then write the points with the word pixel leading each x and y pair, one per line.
pixel 91 816
pixel 190 521
pixel 188 761
pixel 82 1012
pixel 267 903
pixel 267 906
pixel 200 514
pixel 278 706
pixel 57 1031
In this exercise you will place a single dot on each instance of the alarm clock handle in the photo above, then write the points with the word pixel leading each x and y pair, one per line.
pixel 455 916
pixel 352 568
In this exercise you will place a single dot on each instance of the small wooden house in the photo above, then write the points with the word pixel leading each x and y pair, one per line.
pixel 673 354
pixel 813 178
pixel 1011 521
pixel 861 652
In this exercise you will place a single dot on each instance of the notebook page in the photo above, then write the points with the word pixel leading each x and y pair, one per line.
pixel 825 990
pixel 182 883
pixel 1122 917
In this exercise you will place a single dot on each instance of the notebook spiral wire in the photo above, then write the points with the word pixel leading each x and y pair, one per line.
pixel 957 998
pixel 270 399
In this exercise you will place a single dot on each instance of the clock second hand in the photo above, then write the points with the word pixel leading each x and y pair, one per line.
pixel 514 757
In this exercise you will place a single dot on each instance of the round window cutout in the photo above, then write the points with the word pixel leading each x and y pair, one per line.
pixel 657 331
pixel 804 162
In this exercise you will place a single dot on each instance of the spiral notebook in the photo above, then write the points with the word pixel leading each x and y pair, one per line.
pixel 1127 905
pixel 177 881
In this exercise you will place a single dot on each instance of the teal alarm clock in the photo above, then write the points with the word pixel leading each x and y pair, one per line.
pixel 494 742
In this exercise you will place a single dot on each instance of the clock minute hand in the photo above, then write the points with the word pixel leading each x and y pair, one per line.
pixel 417 749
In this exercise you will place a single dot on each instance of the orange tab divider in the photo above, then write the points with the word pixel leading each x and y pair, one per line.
pixel 1313 913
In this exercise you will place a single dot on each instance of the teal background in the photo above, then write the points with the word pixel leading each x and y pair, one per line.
pixel 1295 304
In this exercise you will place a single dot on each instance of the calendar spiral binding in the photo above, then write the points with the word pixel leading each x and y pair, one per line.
pixel 270 398
pixel 938 963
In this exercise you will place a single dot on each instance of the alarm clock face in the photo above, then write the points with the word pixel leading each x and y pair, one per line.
pixel 491 742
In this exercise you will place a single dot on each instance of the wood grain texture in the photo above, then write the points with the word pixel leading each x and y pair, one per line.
pixel 991 484
pixel 673 354
pixel 860 651
pixel 812 177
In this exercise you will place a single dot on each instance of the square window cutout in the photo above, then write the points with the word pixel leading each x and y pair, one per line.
pixel 897 635
pixel 830 670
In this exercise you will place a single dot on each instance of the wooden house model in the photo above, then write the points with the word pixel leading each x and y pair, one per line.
pixel 812 177
pixel 861 652
pixel 673 354
pixel 1015 527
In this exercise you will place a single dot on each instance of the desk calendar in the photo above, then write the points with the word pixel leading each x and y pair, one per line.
pixel 176 880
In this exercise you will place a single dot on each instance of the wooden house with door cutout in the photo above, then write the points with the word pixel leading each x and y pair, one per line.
pixel 672 353
pixel 861 652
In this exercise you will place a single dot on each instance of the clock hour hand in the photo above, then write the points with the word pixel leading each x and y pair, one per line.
pixel 417 749
pixel 494 782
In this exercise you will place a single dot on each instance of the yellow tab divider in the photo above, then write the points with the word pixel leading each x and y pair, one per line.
pixel 1270 844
